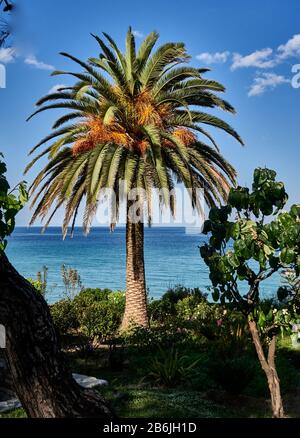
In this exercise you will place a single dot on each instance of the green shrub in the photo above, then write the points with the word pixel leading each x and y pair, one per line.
pixel 64 316
pixel 232 363
pixel 164 309
pixel 202 318
pixel 94 313
pixel 190 308
pixel 99 312
pixel 233 374
pixel 93 294
pixel 36 284
pixel 177 293
pixel 161 335
pixel 100 320
pixel 187 312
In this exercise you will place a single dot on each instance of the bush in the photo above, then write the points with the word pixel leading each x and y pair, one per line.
pixel 99 313
pixel 233 374
pixel 165 308
pixel 157 336
pixel 177 293
pixel 100 320
pixel 232 363
pixel 186 312
pixel 94 313
pixel 202 318
pixel 64 316
pixel 92 295
pixel 190 308
pixel 37 284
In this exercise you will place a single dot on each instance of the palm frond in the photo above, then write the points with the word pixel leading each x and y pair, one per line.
pixel 136 117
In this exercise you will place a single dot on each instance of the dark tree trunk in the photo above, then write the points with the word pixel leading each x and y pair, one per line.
pixel 41 378
pixel 136 296
pixel 268 365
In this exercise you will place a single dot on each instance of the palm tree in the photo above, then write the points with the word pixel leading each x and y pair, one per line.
pixel 134 117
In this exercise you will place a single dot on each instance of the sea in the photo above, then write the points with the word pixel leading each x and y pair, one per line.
pixel 172 258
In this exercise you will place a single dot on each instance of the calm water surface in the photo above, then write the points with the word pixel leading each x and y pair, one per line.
pixel 171 255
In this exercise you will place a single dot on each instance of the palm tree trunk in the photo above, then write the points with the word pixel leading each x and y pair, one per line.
pixel 268 366
pixel 41 379
pixel 136 296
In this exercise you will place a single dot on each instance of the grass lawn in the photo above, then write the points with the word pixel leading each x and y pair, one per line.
pixel 134 396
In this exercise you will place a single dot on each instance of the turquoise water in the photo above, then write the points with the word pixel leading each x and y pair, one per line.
pixel 171 255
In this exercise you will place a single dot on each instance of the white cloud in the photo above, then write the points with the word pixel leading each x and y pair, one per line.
pixel 138 34
pixel 7 55
pixel 213 58
pixel 56 88
pixel 259 59
pixel 266 58
pixel 34 62
pixel 290 49
pixel 266 81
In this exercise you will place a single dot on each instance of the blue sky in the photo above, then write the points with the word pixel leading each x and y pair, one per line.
pixel 250 46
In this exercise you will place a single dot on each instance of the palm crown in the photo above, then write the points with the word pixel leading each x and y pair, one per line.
pixel 138 119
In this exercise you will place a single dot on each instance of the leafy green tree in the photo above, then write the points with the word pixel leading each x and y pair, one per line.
pixel 135 117
pixel 10 204
pixel 246 248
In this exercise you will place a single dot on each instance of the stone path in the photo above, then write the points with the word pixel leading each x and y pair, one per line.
pixel 89 382
pixel 9 405
pixel 84 381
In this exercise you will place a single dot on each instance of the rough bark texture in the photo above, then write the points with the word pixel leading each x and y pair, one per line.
pixel 41 378
pixel 136 296
pixel 268 365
